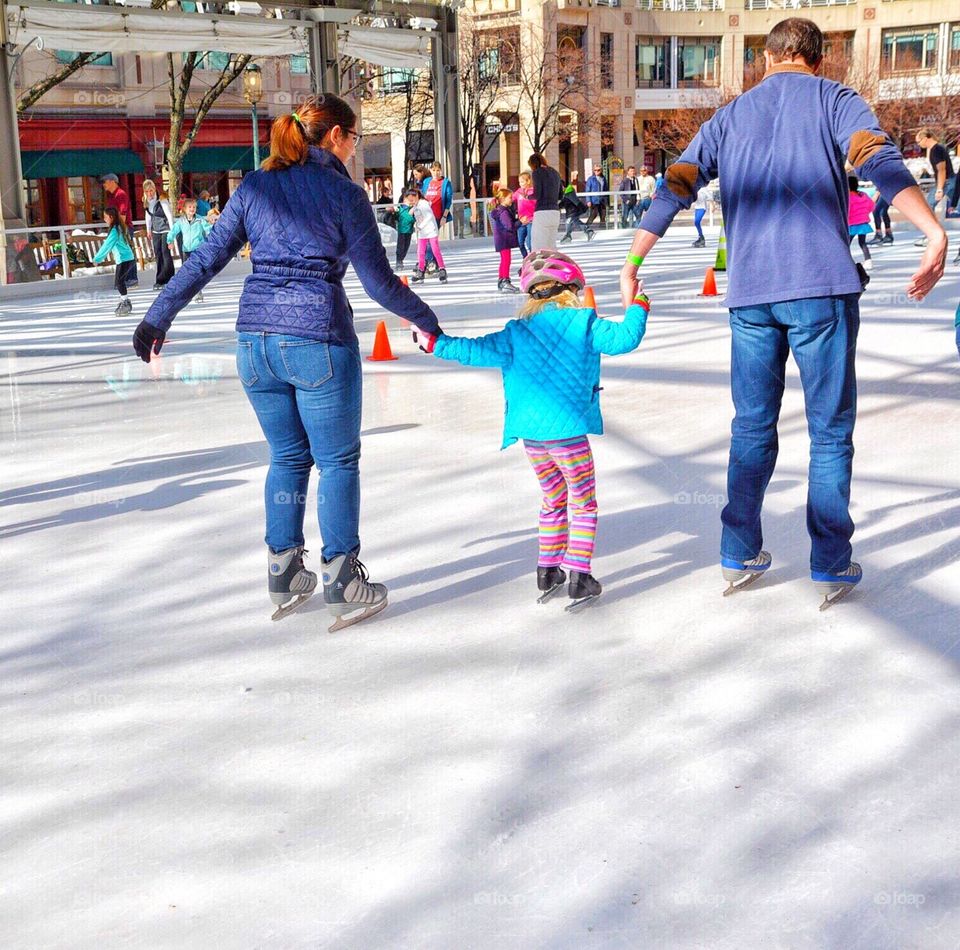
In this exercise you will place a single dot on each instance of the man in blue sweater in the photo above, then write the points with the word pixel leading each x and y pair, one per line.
pixel 779 151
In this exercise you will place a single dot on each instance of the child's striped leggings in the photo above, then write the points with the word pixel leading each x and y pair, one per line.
pixel 565 470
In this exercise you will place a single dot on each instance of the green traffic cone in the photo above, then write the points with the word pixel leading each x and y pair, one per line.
pixel 721 261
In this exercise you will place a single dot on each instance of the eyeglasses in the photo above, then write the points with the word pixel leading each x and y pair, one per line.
pixel 356 135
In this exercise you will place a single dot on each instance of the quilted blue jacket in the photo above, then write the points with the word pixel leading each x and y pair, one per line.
pixel 304 225
pixel 551 367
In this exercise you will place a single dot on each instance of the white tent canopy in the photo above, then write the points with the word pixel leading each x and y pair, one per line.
pixel 121 30
pixel 400 49
pixel 111 29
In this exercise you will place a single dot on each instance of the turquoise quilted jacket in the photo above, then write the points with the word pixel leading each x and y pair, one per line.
pixel 551 367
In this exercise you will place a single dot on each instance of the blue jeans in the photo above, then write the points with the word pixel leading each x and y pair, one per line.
pixel 822 334
pixel 697 218
pixel 523 236
pixel 307 398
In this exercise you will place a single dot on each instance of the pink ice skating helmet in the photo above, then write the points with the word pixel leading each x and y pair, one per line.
pixel 547 267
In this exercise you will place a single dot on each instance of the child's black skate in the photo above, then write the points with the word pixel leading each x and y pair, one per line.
pixel 417 276
pixel 583 589
pixel 290 583
pixel 348 591
pixel 549 581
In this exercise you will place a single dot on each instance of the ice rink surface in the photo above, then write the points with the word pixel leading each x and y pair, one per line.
pixel 469 770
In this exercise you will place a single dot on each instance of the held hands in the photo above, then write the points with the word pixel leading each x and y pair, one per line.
pixel 426 341
pixel 630 284
pixel 147 339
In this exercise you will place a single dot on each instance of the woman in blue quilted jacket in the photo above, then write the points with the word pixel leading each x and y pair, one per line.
pixel 550 359
pixel 297 355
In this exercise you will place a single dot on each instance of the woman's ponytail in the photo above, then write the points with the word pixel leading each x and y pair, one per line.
pixel 288 145
pixel 292 134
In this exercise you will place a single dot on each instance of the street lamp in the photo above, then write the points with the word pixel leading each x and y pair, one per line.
pixel 253 93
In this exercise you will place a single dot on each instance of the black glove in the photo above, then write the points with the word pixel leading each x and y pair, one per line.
pixel 147 339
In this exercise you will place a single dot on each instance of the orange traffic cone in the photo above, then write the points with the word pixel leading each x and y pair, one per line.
pixel 709 285
pixel 381 345
pixel 589 300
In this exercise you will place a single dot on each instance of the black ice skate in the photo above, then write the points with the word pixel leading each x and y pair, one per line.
pixel 507 286
pixel 290 583
pixel 442 274
pixel 583 589
pixel 549 581
pixel 741 574
pixel 417 276
pixel 347 591
pixel 835 585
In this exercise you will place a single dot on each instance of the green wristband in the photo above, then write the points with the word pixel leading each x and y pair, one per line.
pixel 634 259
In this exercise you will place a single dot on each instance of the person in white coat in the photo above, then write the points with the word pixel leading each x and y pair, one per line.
pixel 156 210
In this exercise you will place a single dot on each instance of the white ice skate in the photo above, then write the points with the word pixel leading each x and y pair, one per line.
pixel 741 574
pixel 835 585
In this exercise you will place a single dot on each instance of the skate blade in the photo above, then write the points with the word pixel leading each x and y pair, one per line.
pixel 288 609
pixel 348 621
pixel 734 586
pixel 829 601
pixel 546 595
pixel 582 602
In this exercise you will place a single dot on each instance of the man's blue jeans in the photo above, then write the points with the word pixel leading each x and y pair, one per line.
pixel 307 397
pixel 822 334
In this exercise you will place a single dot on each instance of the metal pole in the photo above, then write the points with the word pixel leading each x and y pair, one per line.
pixel 256 137
pixel 12 207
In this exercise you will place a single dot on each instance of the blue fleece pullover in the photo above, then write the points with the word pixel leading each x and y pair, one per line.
pixel 779 152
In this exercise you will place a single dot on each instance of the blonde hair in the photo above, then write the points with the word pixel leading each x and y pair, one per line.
pixel 526 175
pixel 566 298
pixel 498 195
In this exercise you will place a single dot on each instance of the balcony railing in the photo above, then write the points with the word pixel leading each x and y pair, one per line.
pixel 678 6
pixel 793 4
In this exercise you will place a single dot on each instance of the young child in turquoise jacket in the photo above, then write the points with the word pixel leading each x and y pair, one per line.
pixel 550 360
pixel 192 230
pixel 118 243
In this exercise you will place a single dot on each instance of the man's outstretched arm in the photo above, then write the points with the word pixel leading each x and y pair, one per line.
pixel 913 206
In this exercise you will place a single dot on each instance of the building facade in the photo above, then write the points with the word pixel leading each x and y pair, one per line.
pixel 650 66
pixel 114 116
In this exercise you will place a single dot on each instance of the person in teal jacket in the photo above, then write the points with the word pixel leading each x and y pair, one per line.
pixel 118 244
pixel 405 226
pixel 550 360
pixel 193 229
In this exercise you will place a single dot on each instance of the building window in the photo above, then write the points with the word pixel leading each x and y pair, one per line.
pixel 84 200
pixel 753 66
pixel 953 60
pixel 396 80
pixel 606 60
pixel 33 199
pixel 698 61
pixel 652 62
pixel 68 56
pixel 299 65
pixel 213 60
pixel 904 51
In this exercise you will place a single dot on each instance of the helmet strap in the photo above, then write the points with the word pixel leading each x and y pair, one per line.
pixel 546 292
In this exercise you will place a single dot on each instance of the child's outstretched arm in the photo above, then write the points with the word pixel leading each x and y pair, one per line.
pixel 615 338
pixel 494 349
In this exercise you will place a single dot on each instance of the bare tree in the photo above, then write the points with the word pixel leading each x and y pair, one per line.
pixel 64 71
pixel 555 76
pixel 179 84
